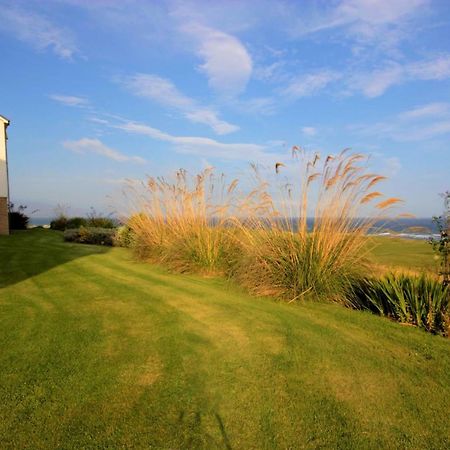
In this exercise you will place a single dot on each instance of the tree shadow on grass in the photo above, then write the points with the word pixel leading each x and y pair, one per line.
pixel 195 435
pixel 25 254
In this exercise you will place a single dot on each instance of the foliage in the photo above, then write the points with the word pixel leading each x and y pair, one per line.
pixel 18 220
pixel 184 223
pixel 124 237
pixel 77 222
pixel 286 256
pixel 59 223
pixel 94 220
pixel 97 220
pixel 90 235
pixel 442 245
pixel 420 301
pixel 203 223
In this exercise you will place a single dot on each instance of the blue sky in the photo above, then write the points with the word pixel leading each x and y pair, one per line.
pixel 102 91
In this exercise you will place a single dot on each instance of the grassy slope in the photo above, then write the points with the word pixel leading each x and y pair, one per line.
pixel 414 255
pixel 102 352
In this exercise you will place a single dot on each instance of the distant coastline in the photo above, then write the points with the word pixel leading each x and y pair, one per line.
pixel 414 228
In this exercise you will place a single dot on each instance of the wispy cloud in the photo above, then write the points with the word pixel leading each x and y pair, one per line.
pixel 200 146
pixel 87 145
pixel 310 84
pixel 70 100
pixel 418 124
pixel 375 23
pixel 226 62
pixel 37 31
pixel 309 131
pixel 375 83
pixel 163 91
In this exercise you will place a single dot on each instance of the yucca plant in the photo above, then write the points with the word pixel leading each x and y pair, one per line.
pixel 288 257
pixel 417 300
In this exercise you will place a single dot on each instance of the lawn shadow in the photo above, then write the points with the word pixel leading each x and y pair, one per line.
pixel 24 254
pixel 195 434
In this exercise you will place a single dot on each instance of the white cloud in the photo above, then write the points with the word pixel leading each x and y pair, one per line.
pixel 432 69
pixel 429 110
pixel 309 131
pixel 166 93
pixel 199 145
pixel 375 83
pixel 310 84
pixel 226 62
pixel 70 100
pixel 37 31
pixel 209 117
pixel 87 145
pixel 378 23
pixel 422 123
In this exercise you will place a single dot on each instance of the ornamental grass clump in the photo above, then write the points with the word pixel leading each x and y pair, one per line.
pixel 185 223
pixel 288 255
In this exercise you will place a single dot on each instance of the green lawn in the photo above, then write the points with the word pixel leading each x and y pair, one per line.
pixel 100 352
pixel 415 255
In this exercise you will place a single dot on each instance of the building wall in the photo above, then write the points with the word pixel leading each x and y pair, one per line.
pixel 4 228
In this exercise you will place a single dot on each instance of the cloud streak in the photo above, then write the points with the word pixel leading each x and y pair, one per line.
pixel 200 146
pixel 164 92
pixel 71 100
pixel 37 31
pixel 87 145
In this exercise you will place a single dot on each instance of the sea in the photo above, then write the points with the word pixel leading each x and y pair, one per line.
pixel 411 228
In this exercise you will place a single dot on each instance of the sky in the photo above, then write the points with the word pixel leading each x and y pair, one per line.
pixel 99 92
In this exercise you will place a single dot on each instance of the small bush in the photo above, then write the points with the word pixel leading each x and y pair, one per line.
pixel 89 235
pixel 18 220
pixel 420 301
pixel 60 223
pixel 101 222
pixel 77 222
pixel 124 237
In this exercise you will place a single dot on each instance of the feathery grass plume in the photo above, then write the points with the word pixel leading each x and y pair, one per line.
pixel 183 222
pixel 286 256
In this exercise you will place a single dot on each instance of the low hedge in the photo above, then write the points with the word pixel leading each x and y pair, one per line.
pixel 91 235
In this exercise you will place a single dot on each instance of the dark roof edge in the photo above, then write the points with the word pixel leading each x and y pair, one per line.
pixel 7 121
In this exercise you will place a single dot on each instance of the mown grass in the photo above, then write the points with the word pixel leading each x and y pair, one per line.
pixel 403 254
pixel 99 351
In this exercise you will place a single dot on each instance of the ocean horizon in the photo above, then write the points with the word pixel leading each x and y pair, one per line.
pixel 410 228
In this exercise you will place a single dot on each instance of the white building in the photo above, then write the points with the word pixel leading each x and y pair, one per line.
pixel 4 194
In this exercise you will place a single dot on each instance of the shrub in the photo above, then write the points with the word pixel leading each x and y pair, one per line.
pixel 60 223
pixel 89 235
pixel 420 301
pixel 18 220
pixel 441 246
pixel 77 222
pixel 101 222
pixel 124 237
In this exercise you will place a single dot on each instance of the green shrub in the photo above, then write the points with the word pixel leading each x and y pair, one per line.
pixel 59 223
pixel 77 222
pixel 101 222
pixel 18 220
pixel 124 237
pixel 420 301
pixel 89 235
